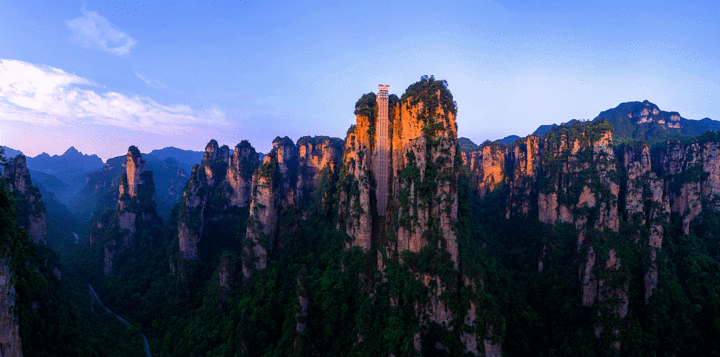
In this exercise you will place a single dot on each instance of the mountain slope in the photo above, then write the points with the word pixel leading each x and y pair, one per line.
pixel 645 121
pixel 67 166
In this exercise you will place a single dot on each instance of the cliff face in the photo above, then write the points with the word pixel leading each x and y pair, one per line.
pixel 487 167
pixel 579 177
pixel 273 189
pixel 241 166
pixel 216 188
pixel 426 166
pixel 319 159
pixel 355 214
pixel 136 211
pixel 572 176
pixel 524 158
pixel 422 210
pixel 646 205
pixel 31 213
pixel 691 175
pixel 288 182
pixel 10 344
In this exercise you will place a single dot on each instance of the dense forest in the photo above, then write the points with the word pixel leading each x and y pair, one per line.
pixel 562 245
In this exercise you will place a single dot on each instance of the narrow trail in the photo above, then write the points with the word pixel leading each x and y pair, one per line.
pixel 95 295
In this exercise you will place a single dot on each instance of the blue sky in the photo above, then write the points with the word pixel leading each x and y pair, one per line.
pixel 104 75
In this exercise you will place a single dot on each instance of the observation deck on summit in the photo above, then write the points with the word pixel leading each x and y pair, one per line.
pixel 381 165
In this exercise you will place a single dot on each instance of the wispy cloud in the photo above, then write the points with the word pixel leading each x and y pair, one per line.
pixel 152 83
pixel 96 32
pixel 46 95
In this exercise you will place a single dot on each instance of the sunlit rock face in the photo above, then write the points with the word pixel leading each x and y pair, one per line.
pixel 422 210
pixel 574 175
pixel 32 215
pixel 241 166
pixel 319 160
pixel 273 188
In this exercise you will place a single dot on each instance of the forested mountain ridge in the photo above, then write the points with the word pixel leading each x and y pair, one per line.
pixel 624 205
pixel 567 244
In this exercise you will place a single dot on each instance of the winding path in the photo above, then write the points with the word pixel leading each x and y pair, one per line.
pixel 95 295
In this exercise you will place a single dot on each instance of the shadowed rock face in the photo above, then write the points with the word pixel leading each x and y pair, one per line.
pixel 220 182
pixel 647 204
pixel 287 180
pixel 572 177
pixel 10 344
pixel 33 219
pixel 135 212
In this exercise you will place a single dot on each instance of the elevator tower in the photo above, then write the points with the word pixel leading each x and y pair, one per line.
pixel 382 150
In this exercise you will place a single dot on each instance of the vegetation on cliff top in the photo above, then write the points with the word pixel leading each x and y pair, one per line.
pixel 425 91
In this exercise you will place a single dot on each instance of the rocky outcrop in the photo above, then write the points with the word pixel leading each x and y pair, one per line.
pixel 423 155
pixel 264 212
pixel 135 213
pixel 613 298
pixel 524 167
pixel 574 178
pixel 273 188
pixel 487 167
pixel 216 187
pixel 241 166
pixel 579 187
pixel 192 218
pixel 646 205
pixel 692 176
pixel 10 344
pixel 424 167
pixel 354 209
pixel 319 159
pixel 31 213
pixel 579 178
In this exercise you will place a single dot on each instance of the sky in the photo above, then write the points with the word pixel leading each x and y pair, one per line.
pixel 103 75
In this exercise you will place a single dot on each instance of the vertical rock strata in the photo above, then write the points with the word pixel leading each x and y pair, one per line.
pixel 221 181
pixel 524 166
pixel 426 167
pixel 136 211
pixel 10 344
pixel 319 159
pixel 289 180
pixel 692 174
pixel 355 214
pixel 241 166
pixel 487 167
pixel 571 176
pixel 272 189
pixel 424 164
pixel 31 213
pixel 646 205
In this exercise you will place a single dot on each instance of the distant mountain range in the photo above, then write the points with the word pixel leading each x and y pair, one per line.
pixel 72 178
pixel 186 159
pixel 67 165
pixel 642 121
